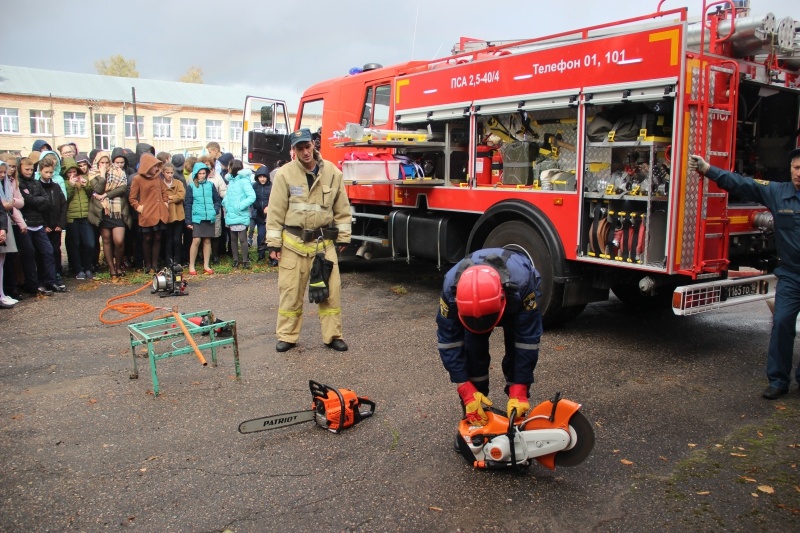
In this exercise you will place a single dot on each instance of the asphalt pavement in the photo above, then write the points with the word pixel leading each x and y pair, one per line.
pixel 683 441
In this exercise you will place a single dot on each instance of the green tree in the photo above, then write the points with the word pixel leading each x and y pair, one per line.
pixel 117 66
pixel 193 75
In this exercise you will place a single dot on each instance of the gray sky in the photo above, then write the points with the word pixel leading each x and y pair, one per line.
pixel 280 48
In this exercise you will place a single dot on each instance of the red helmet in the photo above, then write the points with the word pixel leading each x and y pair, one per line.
pixel 480 298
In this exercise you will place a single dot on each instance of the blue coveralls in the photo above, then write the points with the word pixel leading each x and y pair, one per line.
pixel 465 355
pixel 783 201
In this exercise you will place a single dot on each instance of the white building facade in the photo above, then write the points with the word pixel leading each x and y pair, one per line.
pixel 96 111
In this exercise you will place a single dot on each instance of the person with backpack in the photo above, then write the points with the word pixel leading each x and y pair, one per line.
pixel 489 288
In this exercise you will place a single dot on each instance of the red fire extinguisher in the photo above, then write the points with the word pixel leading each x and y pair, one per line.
pixel 497 167
pixel 483 165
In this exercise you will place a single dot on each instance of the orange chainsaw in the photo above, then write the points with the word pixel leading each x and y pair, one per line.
pixel 554 432
pixel 332 409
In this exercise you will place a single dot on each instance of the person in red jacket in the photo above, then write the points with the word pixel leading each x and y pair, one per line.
pixel 149 198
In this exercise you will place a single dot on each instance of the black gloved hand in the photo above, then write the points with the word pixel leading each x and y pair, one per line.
pixel 317 284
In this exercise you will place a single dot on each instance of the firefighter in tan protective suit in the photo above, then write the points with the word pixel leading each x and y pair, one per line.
pixel 308 211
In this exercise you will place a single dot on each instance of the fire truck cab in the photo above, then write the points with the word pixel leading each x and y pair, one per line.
pixel 574 146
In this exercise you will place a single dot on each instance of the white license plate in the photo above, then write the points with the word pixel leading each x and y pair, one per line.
pixel 739 290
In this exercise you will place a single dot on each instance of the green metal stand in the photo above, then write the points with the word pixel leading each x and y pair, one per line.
pixel 167 329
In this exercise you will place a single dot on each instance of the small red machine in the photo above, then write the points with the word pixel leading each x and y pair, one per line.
pixel 554 432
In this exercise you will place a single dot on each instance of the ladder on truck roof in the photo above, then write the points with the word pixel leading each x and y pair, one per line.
pixel 712 123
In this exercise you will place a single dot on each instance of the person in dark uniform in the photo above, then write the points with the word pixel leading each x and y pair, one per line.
pixel 490 287
pixel 783 201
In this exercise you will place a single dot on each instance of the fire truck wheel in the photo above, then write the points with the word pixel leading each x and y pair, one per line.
pixel 522 234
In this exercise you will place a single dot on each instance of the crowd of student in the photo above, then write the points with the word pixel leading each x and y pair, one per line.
pixel 140 209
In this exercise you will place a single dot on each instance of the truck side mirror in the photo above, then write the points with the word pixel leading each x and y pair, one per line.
pixel 266 117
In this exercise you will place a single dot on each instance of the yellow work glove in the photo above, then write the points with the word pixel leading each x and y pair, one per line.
pixel 473 404
pixel 518 399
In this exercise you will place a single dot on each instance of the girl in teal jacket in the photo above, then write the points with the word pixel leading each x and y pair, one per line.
pixel 237 202
pixel 202 203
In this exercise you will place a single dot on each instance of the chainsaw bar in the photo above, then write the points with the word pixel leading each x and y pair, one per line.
pixel 276 421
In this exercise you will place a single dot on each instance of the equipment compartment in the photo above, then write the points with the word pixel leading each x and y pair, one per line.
pixel 626 183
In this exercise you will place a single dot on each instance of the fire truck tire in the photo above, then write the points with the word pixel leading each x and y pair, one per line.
pixel 518 232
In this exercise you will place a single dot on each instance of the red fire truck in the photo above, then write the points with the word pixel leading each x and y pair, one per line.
pixel 574 147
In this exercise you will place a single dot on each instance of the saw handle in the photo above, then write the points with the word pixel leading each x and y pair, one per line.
pixel 555 401
pixel 510 434
pixel 318 390
pixel 365 413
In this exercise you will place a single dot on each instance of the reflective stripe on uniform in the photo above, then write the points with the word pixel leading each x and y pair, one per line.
pixel 330 311
pixel 298 245
pixel 523 346
pixel 290 314
pixel 458 344
pixel 478 379
pixel 274 233
pixel 302 206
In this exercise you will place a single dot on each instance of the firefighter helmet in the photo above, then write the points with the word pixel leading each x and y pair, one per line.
pixel 480 298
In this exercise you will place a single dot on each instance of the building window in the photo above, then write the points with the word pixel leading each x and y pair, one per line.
pixel 74 124
pixel 130 132
pixel 236 130
pixel 40 123
pixel 214 130
pixel 188 128
pixel 162 127
pixel 9 120
pixel 105 131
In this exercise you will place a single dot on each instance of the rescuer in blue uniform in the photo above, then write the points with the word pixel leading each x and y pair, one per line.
pixel 783 201
pixel 490 287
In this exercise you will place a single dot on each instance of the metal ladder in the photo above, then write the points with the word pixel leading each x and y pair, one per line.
pixel 716 139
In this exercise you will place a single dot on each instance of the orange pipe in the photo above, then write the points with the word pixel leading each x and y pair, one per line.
pixel 189 338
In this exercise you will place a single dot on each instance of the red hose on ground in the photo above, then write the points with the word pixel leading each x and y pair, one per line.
pixel 131 310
